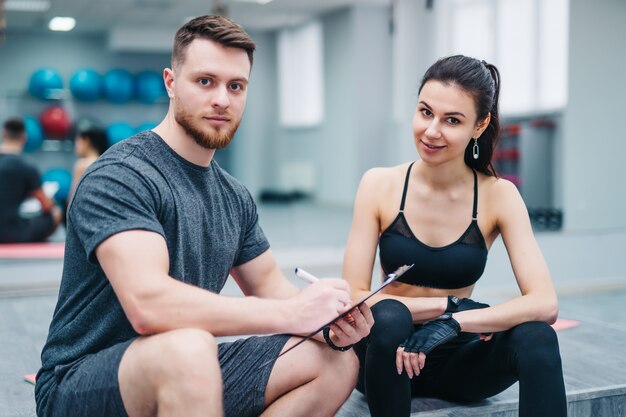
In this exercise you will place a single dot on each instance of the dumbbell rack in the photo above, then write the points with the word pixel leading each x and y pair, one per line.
pixel 526 157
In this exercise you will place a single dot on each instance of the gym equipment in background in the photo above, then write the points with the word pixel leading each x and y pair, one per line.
pixel 44 83
pixel 63 179
pixel 119 131
pixel 146 126
pixel 86 85
pixel 55 122
pixel 34 134
pixel 149 87
pixel 118 86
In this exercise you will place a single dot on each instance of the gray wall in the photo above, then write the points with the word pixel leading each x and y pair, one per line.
pixel 357 97
pixel 252 151
pixel 594 139
pixel 413 45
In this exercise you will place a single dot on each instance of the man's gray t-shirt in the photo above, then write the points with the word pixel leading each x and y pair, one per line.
pixel 208 219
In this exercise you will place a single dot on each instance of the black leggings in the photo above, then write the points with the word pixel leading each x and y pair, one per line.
pixel 466 369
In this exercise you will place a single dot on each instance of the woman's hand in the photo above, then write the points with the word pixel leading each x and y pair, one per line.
pixel 411 354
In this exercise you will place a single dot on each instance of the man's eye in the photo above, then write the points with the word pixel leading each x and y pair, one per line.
pixel 204 81
pixel 235 87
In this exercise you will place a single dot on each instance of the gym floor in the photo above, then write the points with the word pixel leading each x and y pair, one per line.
pixel 587 269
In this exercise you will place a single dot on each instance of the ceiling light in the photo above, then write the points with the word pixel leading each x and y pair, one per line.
pixel 26 5
pixel 255 1
pixel 62 24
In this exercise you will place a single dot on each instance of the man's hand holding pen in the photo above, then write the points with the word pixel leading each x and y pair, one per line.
pixel 349 328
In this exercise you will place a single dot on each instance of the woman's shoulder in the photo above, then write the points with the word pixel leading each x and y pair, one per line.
pixel 499 192
pixel 498 186
pixel 82 164
pixel 379 187
pixel 386 175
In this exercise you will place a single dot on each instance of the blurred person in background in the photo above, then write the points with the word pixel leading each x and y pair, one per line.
pixel 89 144
pixel 19 181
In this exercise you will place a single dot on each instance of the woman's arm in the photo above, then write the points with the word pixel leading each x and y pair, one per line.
pixel 538 300
pixel 79 169
pixel 360 252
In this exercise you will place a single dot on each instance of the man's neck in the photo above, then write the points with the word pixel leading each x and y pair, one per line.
pixel 177 139
pixel 10 147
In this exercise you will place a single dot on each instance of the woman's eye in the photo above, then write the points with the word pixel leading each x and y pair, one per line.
pixel 453 121
pixel 426 112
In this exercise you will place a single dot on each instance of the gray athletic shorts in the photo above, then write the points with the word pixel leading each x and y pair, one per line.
pixel 89 386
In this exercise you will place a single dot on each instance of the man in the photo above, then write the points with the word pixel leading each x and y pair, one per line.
pixel 154 229
pixel 20 180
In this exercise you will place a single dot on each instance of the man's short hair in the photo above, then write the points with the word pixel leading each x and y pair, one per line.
pixel 214 27
pixel 14 128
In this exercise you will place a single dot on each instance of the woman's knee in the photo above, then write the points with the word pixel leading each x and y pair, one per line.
pixel 535 342
pixel 393 323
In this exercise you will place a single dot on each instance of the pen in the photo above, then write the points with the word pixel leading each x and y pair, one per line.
pixel 306 276
pixel 310 278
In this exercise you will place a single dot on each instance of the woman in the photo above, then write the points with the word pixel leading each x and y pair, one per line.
pixel 442 213
pixel 88 146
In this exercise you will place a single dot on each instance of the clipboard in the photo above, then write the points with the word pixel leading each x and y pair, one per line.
pixel 390 278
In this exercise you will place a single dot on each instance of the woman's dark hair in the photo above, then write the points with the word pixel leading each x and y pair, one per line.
pixel 482 81
pixel 97 137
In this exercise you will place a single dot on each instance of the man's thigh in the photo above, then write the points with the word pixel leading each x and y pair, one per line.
pixel 245 381
pixel 89 386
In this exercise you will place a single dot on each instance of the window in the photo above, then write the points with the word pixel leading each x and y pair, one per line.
pixel 300 75
pixel 526 39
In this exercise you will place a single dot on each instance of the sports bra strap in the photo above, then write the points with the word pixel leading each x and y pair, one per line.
pixel 406 185
pixel 475 209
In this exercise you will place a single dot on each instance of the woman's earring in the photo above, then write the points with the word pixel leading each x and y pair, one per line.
pixel 475 149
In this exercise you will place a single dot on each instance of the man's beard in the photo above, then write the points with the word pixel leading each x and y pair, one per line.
pixel 217 140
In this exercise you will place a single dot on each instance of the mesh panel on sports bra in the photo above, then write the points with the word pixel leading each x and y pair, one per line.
pixel 401 227
pixel 472 236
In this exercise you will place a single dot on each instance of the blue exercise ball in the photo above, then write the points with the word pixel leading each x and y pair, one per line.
pixel 43 81
pixel 86 85
pixel 119 131
pixel 34 134
pixel 118 86
pixel 149 86
pixel 146 126
pixel 63 178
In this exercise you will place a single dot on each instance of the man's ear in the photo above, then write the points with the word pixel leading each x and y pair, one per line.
pixel 168 80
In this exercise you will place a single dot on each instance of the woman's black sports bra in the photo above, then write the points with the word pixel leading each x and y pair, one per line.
pixel 453 266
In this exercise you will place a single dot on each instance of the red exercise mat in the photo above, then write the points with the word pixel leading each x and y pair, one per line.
pixel 30 378
pixel 562 324
pixel 52 250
